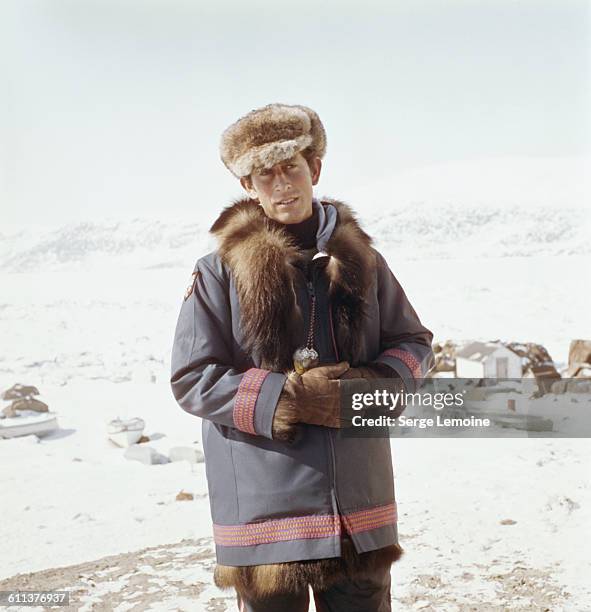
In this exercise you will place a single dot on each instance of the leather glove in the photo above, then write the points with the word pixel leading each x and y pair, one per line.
pixel 370 372
pixel 313 397
pixel 390 381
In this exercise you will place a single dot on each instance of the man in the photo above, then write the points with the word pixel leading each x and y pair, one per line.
pixel 293 304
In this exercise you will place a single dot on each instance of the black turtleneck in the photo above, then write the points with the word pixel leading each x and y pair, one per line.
pixel 304 233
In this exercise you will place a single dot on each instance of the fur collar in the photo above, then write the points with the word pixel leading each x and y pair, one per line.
pixel 263 259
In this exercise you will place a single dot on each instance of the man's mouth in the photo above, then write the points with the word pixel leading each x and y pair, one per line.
pixel 287 201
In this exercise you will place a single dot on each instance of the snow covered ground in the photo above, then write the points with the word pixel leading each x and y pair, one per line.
pixel 72 498
pixel 87 314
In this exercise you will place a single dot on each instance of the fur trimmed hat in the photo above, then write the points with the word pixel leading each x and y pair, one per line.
pixel 271 134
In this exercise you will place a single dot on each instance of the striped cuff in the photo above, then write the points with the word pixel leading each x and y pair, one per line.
pixel 408 359
pixel 246 399
pixel 404 363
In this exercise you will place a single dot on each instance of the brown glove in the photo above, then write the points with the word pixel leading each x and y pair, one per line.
pixel 370 372
pixel 390 381
pixel 313 398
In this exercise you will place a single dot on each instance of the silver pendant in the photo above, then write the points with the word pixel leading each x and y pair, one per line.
pixel 304 359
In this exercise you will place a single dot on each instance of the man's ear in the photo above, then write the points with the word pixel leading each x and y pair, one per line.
pixel 247 186
pixel 315 168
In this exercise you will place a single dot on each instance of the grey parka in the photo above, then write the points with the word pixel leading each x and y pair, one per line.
pixel 245 311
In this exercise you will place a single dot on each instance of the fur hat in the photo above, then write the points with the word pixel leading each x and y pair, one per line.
pixel 269 135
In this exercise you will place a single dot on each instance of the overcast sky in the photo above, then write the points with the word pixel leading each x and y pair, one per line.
pixel 116 107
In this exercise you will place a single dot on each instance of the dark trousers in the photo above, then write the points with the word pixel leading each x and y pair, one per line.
pixel 367 595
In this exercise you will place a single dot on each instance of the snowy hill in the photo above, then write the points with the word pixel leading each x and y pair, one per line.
pixel 140 242
pixel 420 231
pixel 480 209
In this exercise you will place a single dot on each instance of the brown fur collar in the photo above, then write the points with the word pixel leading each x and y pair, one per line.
pixel 263 259
pixel 261 581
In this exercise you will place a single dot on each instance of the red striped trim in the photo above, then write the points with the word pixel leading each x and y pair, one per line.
pixel 304 527
pixel 409 360
pixel 280 530
pixel 246 399
pixel 374 518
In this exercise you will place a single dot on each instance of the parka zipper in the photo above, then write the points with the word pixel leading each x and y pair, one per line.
pixel 328 431
pixel 312 305
pixel 331 325
pixel 334 470
pixel 312 302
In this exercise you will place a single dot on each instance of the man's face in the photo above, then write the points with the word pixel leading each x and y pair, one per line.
pixel 285 190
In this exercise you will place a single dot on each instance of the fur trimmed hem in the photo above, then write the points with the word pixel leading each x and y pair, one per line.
pixel 261 581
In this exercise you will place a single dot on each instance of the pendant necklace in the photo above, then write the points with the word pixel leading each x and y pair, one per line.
pixel 306 357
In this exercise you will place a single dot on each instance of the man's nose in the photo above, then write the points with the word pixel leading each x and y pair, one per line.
pixel 280 179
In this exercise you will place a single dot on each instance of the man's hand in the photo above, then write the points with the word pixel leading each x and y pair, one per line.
pixel 313 397
pixel 370 371
pixel 390 381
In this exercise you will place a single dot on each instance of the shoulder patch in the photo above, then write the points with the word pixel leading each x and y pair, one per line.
pixel 191 287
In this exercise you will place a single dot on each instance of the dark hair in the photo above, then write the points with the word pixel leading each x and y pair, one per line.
pixel 309 154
